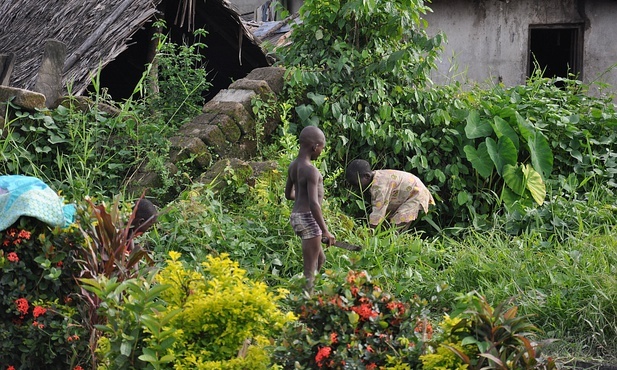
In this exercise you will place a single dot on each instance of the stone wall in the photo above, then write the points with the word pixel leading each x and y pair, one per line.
pixel 225 130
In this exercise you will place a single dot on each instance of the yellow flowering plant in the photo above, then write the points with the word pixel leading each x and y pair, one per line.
pixel 225 320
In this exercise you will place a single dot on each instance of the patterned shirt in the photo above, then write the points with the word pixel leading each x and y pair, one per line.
pixel 399 195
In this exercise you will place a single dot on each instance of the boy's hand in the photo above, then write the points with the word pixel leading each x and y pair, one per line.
pixel 328 239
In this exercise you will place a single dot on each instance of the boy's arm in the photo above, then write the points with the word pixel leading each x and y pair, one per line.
pixel 312 184
pixel 290 190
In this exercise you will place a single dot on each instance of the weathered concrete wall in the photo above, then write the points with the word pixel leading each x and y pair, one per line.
pixel 489 39
pixel 246 6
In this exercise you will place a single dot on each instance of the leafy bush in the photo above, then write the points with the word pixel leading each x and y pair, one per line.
pixel 224 320
pixel 483 337
pixel 40 315
pixel 176 81
pixel 66 147
pixel 352 323
pixel 477 150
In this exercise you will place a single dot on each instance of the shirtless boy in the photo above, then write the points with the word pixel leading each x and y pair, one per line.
pixel 305 187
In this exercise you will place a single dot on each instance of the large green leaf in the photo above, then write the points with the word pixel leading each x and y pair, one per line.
pixel 535 184
pixel 475 128
pixel 541 154
pixel 479 159
pixel 503 128
pixel 524 127
pixel 514 178
pixel 502 152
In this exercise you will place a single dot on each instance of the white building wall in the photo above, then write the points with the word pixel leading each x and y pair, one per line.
pixel 487 40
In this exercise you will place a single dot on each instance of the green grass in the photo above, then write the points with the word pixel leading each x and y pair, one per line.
pixel 567 283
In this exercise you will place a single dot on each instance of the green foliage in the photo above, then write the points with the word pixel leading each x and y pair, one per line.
pixel 40 318
pixel 78 151
pixel 477 150
pixel 484 337
pixel 353 62
pixel 352 323
pixel 222 316
pixel 134 329
pixel 176 80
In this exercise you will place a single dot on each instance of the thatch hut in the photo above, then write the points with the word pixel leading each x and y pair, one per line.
pixel 114 36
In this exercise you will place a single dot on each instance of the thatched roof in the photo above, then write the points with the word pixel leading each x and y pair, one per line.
pixel 97 31
pixel 94 31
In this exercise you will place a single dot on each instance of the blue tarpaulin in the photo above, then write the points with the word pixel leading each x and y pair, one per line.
pixel 29 196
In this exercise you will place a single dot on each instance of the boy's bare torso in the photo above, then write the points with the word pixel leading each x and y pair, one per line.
pixel 301 174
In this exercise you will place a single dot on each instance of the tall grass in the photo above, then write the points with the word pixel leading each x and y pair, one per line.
pixel 564 276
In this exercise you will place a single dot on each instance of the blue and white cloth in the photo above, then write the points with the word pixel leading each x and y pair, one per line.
pixel 29 196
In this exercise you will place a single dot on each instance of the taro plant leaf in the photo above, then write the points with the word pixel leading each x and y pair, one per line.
pixel 304 113
pixel 535 184
pixel 475 128
pixel 502 152
pixel 318 99
pixel 503 128
pixel 480 159
pixel 541 154
pixel 514 178
pixel 524 127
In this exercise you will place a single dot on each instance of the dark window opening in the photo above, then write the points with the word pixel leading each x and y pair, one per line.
pixel 556 50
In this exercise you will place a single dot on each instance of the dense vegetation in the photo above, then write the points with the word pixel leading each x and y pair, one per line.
pixel 520 247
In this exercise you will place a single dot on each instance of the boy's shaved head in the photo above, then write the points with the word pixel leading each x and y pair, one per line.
pixel 311 135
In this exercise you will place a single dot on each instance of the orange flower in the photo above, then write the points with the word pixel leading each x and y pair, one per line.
pixel 425 328
pixel 333 337
pixel 364 311
pixel 22 305
pixel 24 234
pixel 322 354
pixel 371 366
pixel 12 256
pixel 38 311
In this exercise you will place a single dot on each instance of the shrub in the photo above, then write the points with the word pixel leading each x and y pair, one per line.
pixel 482 337
pixel 40 316
pixel 211 317
pixel 352 323
pixel 224 319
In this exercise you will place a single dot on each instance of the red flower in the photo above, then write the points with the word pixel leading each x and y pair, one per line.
pixel 425 328
pixel 24 234
pixel 333 337
pixel 322 354
pixel 11 367
pixel 22 305
pixel 59 264
pixel 38 324
pixel 12 256
pixel 38 311
pixel 364 311
pixel 78 368
pixel 371 366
